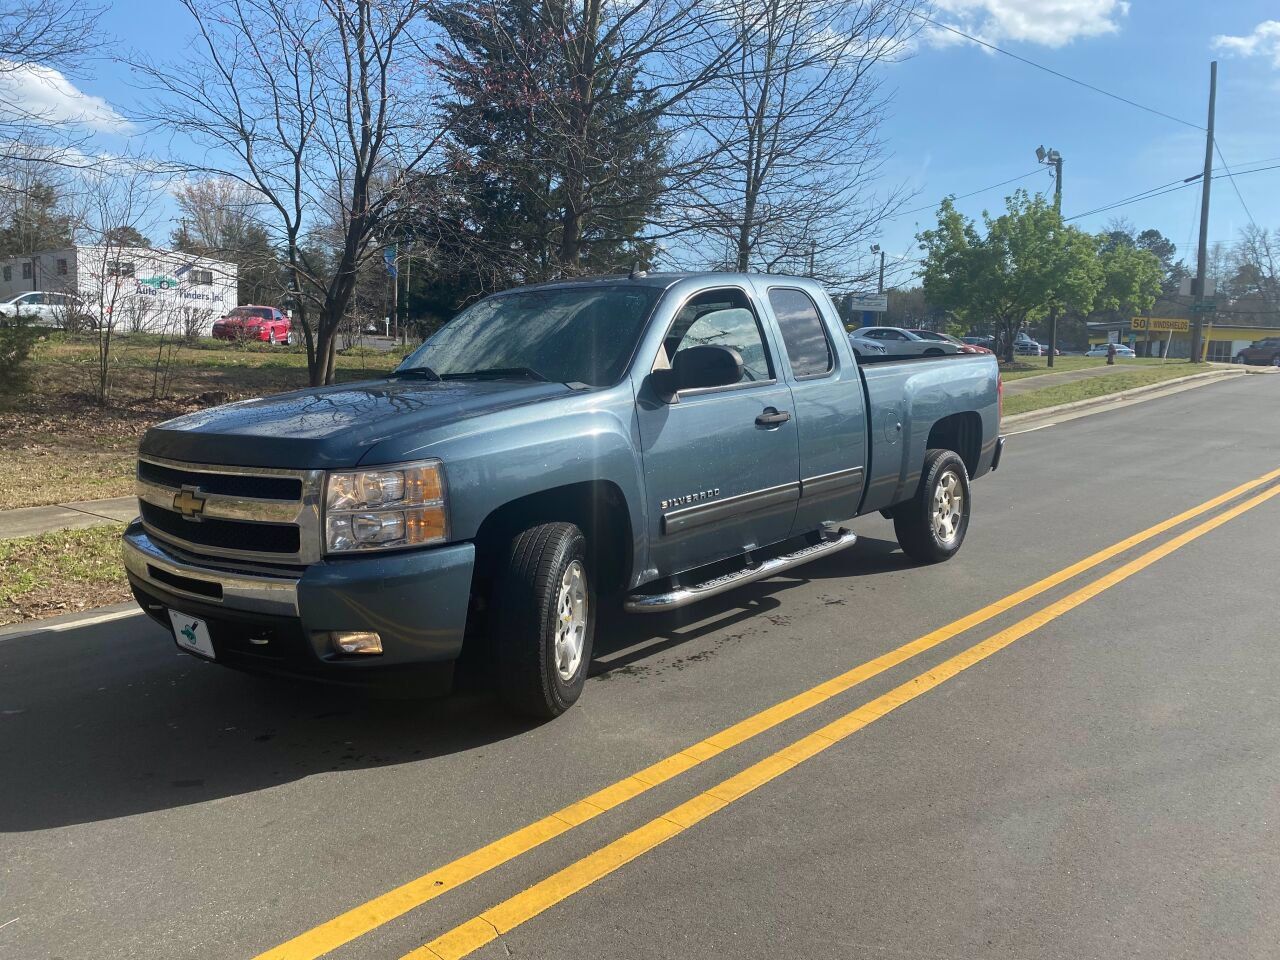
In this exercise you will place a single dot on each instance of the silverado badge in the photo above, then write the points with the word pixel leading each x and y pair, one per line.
pixel 189 503
pixel 690 498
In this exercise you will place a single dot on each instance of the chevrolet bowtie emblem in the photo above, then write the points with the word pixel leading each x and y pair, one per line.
pixel 189 503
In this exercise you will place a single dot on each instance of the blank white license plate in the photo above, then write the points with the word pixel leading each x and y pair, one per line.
pixel 192 634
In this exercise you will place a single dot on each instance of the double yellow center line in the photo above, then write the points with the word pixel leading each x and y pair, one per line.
pixel 484 928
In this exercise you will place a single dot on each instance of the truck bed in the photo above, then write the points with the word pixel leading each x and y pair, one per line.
pixel 906 398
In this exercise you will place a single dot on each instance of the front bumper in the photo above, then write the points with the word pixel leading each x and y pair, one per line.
pixel 417 601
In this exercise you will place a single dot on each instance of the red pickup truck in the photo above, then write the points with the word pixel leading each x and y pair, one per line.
pixel 253 322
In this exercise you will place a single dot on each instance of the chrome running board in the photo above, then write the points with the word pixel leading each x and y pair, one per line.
pixel 683 596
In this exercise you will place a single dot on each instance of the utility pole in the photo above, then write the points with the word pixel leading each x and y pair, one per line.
pixel 813 253
pixel 1202 252
pixel 1054 158
pixel 880 284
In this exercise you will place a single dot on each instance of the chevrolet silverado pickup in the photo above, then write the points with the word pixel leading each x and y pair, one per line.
pixel 656 439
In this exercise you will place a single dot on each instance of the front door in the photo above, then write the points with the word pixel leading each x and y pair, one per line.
pixel 721 469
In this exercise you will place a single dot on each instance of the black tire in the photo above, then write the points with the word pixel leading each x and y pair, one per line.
pixel 913 521
pixel 526 615
pixel 271 337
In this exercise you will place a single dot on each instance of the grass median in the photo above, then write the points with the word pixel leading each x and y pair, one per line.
pixel 61 572
pixel 1125 378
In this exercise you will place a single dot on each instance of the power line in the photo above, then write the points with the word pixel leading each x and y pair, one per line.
pixel 1159 191
pixel 965 196
pixel 1056 73
pixel 1234 186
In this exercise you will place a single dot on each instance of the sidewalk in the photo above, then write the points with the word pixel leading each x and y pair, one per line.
pixel 31 521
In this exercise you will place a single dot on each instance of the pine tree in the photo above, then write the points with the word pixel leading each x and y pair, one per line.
pixel 556 152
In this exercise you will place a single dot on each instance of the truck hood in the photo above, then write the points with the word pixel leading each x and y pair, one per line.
pixel 329 427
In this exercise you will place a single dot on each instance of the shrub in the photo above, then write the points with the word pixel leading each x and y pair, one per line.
pixel 16 340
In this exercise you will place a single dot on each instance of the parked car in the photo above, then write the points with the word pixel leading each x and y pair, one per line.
pixel 252 322
pixel 948 338
pixel 903 343
pixel 1045 350
pixel 988 342
pixel 45 308
pixel 1100 350
pixel 1265 352
pixel 1027 348
pixel 864 347
pixel 665 438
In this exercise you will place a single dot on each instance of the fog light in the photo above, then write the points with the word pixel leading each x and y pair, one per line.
pixel 362 642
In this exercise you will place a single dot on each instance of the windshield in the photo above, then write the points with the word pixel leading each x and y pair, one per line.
pixel 251 313
pixel 569 334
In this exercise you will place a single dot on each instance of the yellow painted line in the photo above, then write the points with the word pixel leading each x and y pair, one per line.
pixel 511 913
pixel 370 915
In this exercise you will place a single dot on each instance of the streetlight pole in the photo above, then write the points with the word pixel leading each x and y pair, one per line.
pixel 1054 159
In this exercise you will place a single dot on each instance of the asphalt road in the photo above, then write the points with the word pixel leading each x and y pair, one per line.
pixel 1097 781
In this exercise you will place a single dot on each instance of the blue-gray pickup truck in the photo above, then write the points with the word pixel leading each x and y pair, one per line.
pixel 657 439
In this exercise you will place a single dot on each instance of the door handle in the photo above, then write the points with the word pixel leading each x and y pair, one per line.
pixel 772 417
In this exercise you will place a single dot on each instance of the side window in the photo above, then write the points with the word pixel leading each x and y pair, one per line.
pixel 722 318
pixel 62 267
pixel 26 271
pixel 8 273
pixel 802 331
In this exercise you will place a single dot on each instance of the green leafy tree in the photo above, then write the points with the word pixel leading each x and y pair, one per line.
pixel 1131 280
pixel 1011 272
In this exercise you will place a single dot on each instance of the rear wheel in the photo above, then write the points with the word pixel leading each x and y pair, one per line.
pixel 931 526
pixel 271 337
pixel 544 621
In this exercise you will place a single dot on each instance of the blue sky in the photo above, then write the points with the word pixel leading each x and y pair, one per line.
pixel 963 118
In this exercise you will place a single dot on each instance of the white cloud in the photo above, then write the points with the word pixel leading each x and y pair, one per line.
pixel 1264 41
pixel 42 94
pixel 1051 23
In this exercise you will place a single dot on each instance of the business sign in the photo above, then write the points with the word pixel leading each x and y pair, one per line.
pixel 869 302
pixel 1160 325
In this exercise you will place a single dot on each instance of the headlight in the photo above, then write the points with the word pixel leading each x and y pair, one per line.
pixel 386 507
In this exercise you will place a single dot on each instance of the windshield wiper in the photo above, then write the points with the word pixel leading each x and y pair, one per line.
pixel 500 373
pixel 425 372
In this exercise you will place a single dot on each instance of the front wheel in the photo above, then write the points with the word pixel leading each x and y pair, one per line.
pixel 545 621
pixel 931 526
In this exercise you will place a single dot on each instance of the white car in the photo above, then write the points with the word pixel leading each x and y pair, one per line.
pixel 43 308
pixel 904 343
pixel 1100 350
pixel 863 347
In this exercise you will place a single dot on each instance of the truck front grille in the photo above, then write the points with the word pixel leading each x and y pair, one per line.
pixel 247 513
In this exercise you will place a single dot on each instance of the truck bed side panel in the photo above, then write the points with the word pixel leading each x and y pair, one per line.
pixel 906 398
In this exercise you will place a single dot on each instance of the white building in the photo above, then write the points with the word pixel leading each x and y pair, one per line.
pixel 144 289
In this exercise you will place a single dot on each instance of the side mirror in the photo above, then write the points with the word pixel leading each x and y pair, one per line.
pixel 706 366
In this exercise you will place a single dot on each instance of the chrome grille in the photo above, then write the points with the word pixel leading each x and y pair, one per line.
pixel 247 513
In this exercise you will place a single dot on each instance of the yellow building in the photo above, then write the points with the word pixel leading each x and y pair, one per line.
pixel 1225 335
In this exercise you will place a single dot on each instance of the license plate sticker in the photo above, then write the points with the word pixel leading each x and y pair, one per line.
pixel 192 635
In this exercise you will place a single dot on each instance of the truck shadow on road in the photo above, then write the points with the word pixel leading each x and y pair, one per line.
pixel 111 720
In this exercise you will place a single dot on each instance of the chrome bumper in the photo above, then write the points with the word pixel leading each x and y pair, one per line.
pixel 152 565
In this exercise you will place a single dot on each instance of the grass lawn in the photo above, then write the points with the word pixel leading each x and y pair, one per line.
pixel 1039 366
pixel 57 444
pixel 1125 378
pixel 61 572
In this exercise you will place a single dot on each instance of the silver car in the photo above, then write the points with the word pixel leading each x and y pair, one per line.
pixel 904 343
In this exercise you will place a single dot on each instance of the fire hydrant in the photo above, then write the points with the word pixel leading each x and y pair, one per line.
pixel 1111 354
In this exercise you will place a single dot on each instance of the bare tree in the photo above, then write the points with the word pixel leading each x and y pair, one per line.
pixel 118 199
pixel 42 42
pixel 794 127
pixel 325 110
pixel 1257 267
pixel 221 218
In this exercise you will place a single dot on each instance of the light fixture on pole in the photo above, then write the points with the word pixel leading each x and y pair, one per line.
pixel 1054 159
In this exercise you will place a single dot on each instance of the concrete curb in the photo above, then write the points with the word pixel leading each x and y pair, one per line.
pixel 69 621
pixel 1135 394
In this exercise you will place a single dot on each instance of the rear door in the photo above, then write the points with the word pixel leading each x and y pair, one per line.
pixel 829 410
pixel 720 463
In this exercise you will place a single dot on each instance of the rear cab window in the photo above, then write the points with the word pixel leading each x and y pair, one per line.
pixel 803 332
